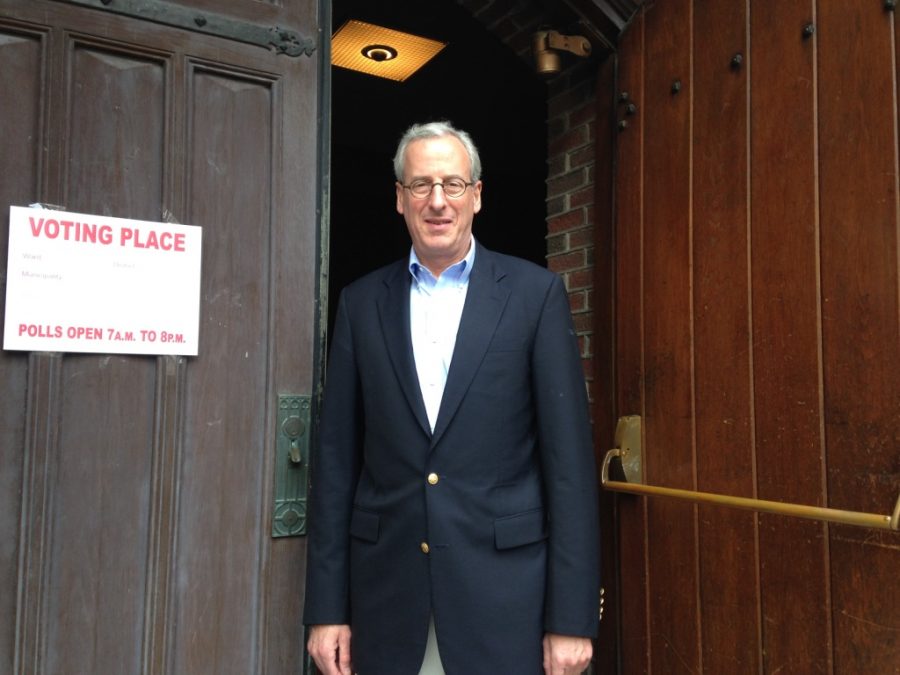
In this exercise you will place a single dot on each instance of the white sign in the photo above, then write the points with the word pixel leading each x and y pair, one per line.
pixel 82 283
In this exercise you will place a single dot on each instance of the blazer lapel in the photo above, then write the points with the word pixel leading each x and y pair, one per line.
pixel 485 301
pixel 393 312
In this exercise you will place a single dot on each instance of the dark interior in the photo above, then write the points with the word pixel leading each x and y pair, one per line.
pixel 479 85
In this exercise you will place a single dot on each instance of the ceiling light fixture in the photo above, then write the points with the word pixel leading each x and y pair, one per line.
pixel 383 52
pixel 379 52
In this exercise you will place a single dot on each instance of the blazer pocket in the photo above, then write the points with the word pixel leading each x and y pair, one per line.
pixel 520 529
pixel 364 525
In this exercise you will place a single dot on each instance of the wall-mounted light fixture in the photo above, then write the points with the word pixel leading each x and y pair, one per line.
pixel 547 44
pixel 383 52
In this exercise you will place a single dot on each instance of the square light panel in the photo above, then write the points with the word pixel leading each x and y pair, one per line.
pixel 380 51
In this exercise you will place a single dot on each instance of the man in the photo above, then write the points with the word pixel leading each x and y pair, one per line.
pixel 454 504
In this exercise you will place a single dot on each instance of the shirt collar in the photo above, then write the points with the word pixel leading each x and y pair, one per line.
pixel 458 272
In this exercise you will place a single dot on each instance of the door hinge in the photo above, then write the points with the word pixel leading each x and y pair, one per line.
pixel 281 40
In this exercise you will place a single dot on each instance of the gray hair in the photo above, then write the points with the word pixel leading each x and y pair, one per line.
pixel 435 130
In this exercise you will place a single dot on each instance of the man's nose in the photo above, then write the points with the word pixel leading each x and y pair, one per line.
pixel 437 198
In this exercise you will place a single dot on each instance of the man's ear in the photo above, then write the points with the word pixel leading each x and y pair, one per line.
pixel 399 197
pixel 476 190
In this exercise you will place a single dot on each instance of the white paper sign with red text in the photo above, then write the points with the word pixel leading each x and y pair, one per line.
pixel 83 283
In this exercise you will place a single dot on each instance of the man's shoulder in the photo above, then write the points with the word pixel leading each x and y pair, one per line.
pixel 377 278
pixel 515 269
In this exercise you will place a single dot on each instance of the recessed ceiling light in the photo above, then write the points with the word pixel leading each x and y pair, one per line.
pixel 383 52
pixel 379 52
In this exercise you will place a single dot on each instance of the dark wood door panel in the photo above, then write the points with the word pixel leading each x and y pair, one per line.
pixel 860 324
pixel 223 512
pixel 758 315
pixel 144 486
pixel 115 107
pixel 98 523
pixel 793 561
pixel 23 51
pixel 723 407
pixel 666 338
pixel 629 597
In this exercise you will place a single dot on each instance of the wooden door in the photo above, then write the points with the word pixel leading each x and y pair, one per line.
pixel 758 334
pixel 136 493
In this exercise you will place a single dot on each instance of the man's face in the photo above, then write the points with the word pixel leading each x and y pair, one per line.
pixel 440 227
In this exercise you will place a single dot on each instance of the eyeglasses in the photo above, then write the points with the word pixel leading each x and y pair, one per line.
pixel 453 188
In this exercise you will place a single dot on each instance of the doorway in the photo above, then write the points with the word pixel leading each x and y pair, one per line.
pixel 476 83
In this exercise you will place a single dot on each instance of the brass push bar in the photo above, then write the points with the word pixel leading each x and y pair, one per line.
pixel 630 453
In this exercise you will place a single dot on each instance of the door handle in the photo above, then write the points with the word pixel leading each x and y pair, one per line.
pixel 293 427
pixel 629 452
pixel 291 465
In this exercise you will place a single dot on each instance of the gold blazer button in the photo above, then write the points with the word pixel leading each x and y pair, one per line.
pixel 424 546
pixel 433 478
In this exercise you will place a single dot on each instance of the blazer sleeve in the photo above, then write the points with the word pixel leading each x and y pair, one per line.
pixel 335 472
pixel 569 471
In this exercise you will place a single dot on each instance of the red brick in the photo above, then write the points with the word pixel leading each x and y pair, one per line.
pixel 556 166
pixel 567 221
pixel 583 322
pixel 557 244
pixel 566 261
pixel 582 197
pixel 568 141
pixel 580 279
pixel 581 156
pixel 580 238
pixel 587 341
pixel 583 114
pixel 556 206
pixel 565 97
pixel 587 365
pixel 578 301
pixel 566 183
pixel 556 126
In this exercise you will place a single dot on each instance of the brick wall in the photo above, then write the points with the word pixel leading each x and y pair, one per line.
pixel 570 196
pixel 570 159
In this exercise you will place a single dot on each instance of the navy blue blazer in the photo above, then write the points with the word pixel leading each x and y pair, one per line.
pixel 490 523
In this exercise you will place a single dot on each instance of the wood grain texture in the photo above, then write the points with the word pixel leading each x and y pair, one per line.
pixel 633 617
pixel 221 478
pixel 603 349
pixel 760 340
pixel 786 338
pixel 144 485
pixel 25 53
pixel 860 324
pixel 722 352
pixel 668 405
pixel 100 515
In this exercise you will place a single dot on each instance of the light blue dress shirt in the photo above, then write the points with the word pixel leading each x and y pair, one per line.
pixel 435 308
